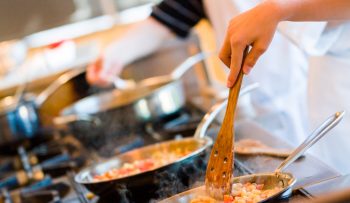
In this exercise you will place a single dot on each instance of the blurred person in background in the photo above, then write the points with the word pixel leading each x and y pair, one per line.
pixel 283 71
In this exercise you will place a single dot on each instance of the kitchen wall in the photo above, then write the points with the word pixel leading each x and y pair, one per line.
pixel 29 25
pixel 85 48
pixel 20 18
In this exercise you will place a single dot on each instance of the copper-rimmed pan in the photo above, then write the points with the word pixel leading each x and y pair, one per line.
pixel 273 179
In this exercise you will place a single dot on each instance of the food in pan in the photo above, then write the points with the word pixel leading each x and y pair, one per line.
pixel 249 193
pixel 156 160
pixel 203 199
pixel 243 193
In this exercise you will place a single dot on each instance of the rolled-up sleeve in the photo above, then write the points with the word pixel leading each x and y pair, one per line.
pixel 179 15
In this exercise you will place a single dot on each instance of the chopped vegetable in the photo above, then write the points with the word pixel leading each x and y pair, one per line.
pixel 156 160
pixel 251 192
pixel 228 199
pixel 203 199
pixel 244 193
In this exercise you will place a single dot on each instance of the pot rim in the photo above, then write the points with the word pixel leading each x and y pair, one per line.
pixel 108 96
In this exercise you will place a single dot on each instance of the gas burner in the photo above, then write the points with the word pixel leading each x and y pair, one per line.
pixel 55 167
pixel 34 166
pixel 38 192
pixel 48 156
pixel 46 164
pixel 43 136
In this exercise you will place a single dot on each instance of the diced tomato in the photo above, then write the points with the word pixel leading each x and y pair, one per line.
pixel 146 165
pixel 228 199
pixel 259 186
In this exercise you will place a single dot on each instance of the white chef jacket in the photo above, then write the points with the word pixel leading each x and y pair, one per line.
pixel 303 75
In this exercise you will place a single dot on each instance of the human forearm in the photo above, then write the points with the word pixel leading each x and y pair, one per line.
pixel 242 30
pixel 311 10
pixel 141 40
pixel 138 41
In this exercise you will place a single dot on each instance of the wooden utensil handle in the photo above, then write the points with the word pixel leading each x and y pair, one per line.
pixel 234 93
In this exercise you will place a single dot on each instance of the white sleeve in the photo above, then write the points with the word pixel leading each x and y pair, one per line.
pixel 315 38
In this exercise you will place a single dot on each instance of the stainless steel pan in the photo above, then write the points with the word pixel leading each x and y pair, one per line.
pixel 197 145
pixel 270 180
pixel 149 182
pixel 149 99
pixel 126 110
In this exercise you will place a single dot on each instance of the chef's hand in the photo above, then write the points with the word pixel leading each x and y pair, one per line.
pixel 256 28
pixel 101 72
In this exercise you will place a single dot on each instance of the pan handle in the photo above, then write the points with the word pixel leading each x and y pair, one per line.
pixel 316 135
pixel 62 120
pixel 121 83
pixel 181 69
pixel 216 109
pixel 176 74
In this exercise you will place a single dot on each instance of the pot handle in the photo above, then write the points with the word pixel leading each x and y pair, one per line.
pixel 216 109
pixel 176 74
pixel 62 120
pixel 181 69
pixel 121 83
pixel 64 78
pixel 315 136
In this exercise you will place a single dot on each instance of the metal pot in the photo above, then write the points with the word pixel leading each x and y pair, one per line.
pixel 278 178
pixel 19 118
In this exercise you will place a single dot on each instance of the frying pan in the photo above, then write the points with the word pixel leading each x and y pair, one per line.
pixel 274 179
pixel 149 99
pixel 123 110
pixel 146 182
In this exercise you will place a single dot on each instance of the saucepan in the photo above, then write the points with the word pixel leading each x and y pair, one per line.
pixel 148 182
pixel 19 116
pixel 277 179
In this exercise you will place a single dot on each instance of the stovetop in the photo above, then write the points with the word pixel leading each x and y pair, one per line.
pixel 31 172
pixel 42 169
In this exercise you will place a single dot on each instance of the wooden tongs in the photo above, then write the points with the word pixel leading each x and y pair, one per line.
pixel 220 165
